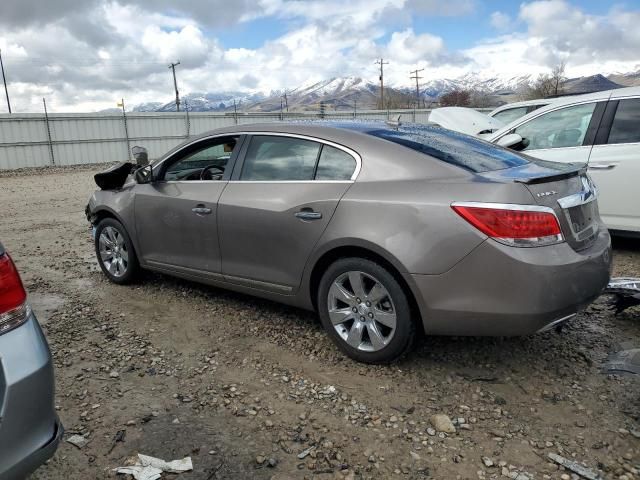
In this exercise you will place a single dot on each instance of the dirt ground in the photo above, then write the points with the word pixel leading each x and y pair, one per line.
pixel 247 388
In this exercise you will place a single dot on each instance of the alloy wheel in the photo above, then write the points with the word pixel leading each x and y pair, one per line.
pixel 113 251
pixel 362 311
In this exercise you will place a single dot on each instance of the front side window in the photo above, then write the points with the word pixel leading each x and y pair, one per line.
pixel 626 123
pixel 280 158
pixel 203 163
pixel 561 128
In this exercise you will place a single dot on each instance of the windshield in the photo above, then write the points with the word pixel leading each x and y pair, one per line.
pixel 452 147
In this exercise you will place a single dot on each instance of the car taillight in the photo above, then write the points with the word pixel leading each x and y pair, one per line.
pixel 515 225
pixel 13 307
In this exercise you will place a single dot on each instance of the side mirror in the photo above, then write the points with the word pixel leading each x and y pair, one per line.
pixel 509 140
pixel 140 155
pixel 144 174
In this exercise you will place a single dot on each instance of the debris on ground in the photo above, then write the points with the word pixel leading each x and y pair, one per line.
pixel 626 292
pixel 574 467
pixel 151 468
pixel 442 423
pixel 625 361
pixel 77 441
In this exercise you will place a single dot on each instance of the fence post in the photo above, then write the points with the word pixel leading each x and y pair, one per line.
pixel 187 119
pixel 46 121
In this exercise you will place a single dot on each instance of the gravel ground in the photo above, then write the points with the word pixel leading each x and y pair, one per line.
pixel 253 389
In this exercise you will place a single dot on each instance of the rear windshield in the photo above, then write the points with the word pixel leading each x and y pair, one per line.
pixel 453 147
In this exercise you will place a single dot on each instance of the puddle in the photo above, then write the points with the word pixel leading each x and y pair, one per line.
pixel 45 304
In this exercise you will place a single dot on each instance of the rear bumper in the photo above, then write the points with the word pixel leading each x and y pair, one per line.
pixel 29 427
pixel 506 291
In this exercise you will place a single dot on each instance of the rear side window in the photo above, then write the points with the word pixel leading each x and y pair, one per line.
pixel 626 123
pixel 335 164
pixel 280 158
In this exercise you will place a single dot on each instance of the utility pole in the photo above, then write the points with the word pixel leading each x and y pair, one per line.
pixel 173 66
pixel 126 128
pixel 417 78
pixel 4 79
pixel 382 63
pixel 286 101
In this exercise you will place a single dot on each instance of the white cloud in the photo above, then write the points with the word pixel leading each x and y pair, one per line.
pixel 108 49
pixel 500 20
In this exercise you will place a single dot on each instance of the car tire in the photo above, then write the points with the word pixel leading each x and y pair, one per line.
pixel 115 253
pixel 377 329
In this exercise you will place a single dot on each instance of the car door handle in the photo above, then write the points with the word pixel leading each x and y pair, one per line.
pixel 603 166
pixel 201 210
pixel 308 215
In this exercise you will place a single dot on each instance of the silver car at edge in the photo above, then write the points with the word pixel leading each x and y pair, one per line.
pixel 29 427
pixel 381 229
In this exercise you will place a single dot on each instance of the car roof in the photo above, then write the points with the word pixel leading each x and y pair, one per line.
pixel 353 134
pixel 569 100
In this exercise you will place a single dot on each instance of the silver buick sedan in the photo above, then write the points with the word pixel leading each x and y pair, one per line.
pixel 382 229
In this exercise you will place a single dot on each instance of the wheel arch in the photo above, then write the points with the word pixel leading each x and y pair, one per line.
pixel 105 212
pixel 370 253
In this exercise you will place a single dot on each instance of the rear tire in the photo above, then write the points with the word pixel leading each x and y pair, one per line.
pixel 365 311
pixel 114 250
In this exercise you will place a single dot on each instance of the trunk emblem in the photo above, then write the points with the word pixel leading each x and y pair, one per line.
pixel 546 194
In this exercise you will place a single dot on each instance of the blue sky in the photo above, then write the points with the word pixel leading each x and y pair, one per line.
pixel 108 49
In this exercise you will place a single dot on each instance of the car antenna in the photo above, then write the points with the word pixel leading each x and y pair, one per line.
pixel 395 123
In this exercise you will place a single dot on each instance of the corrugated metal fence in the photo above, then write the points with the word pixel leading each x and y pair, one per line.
pixel 33 140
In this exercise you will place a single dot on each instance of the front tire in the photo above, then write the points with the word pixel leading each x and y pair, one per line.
pixel 115 252
pixel 365 311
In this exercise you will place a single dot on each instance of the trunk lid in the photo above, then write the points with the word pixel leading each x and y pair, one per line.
pixel 567 189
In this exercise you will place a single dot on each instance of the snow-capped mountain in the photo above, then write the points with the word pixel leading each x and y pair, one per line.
pixel 203 102
pixel 355 92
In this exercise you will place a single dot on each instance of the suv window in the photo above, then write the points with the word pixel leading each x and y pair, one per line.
pixel 335 164
pixel 626 123
pixel 280 158
pixel 561 128
pixel 191 165
pixel 510 114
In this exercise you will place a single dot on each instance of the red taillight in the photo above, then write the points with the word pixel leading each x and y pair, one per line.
pixel 12 293
pixel 513 224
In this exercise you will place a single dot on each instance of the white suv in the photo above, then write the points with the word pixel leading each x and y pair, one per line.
pixel 601 129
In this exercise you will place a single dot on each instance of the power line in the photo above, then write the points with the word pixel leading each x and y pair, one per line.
pixel 4 80
pixel 417 78
pixel 173 66
pixel 382 63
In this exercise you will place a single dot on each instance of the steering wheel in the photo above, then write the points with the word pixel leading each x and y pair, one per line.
pixel 207 172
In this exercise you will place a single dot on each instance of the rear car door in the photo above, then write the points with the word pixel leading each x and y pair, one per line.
pixel 564 134
pixel 175 215
pixel 279 201
pixel 614 164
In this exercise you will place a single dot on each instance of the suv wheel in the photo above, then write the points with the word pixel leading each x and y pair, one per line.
pixel 115 252
pixel 365 311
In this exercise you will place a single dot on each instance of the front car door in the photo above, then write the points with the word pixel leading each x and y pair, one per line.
pixel 280 200
pixel 614 164
pixel 176 221
pixel 564 134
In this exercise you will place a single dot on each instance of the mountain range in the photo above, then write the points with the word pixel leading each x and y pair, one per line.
pixel 347 93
